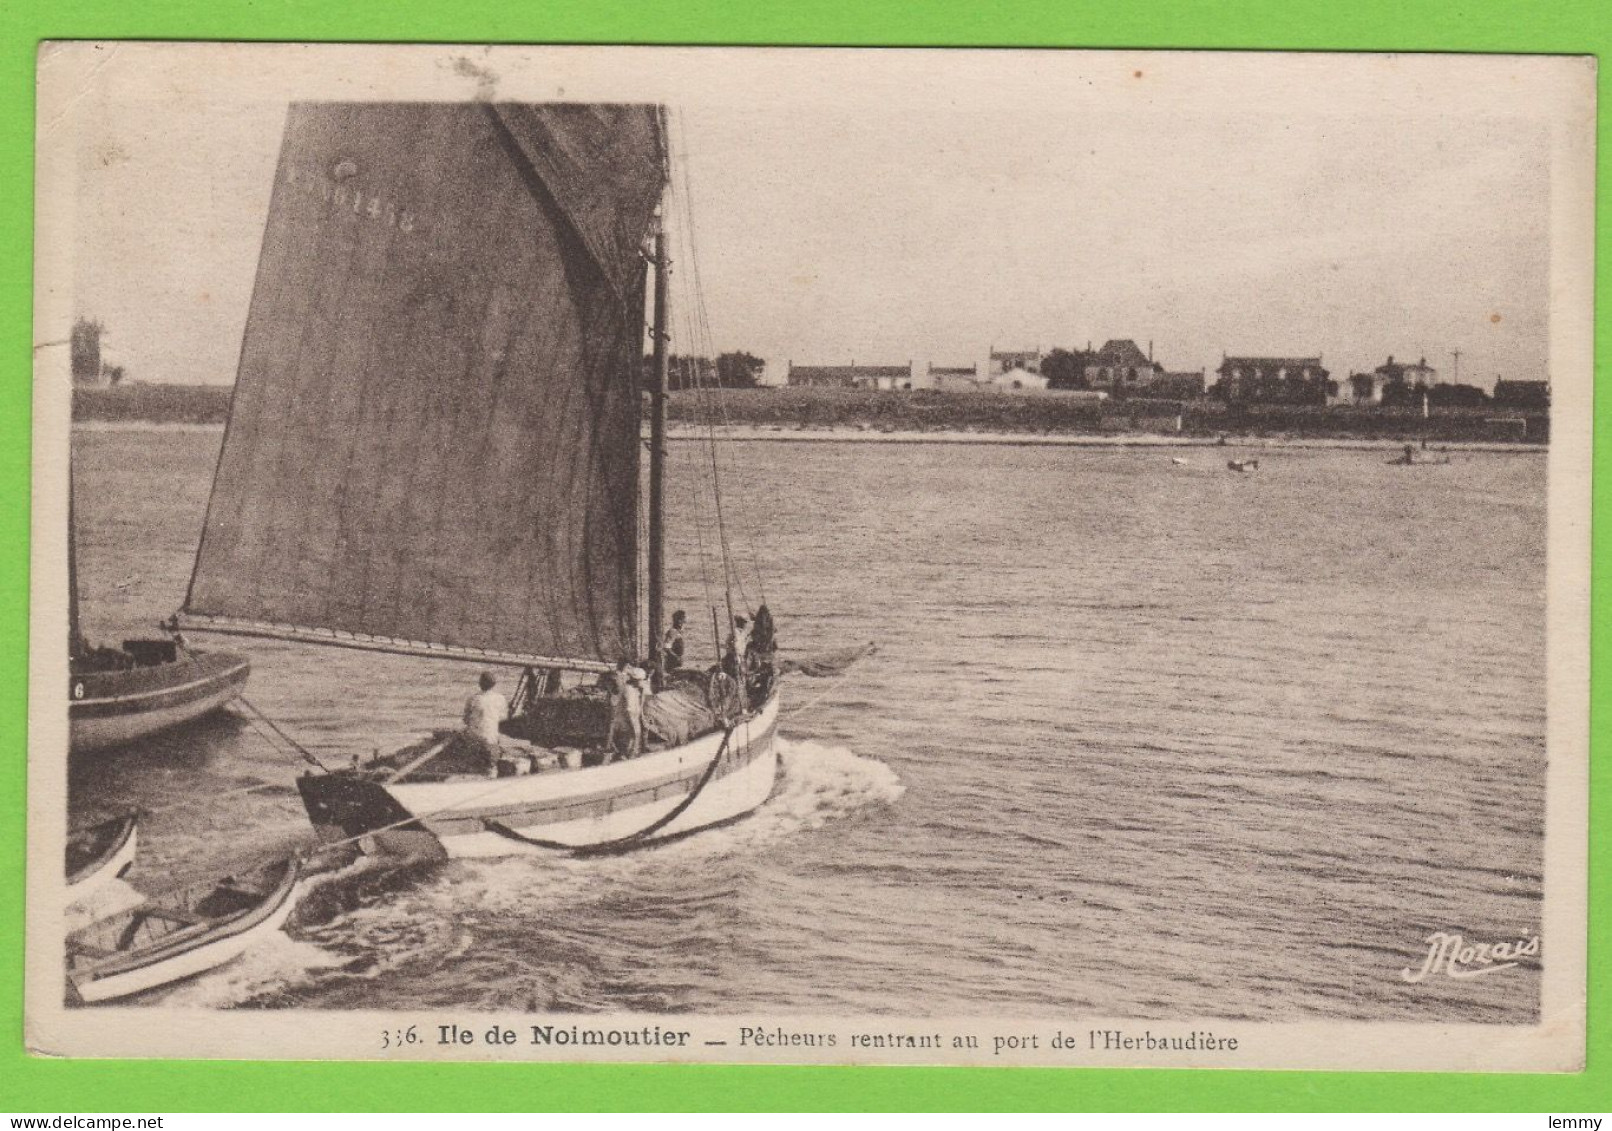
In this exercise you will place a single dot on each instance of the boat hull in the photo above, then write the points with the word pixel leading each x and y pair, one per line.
pixel 660 796
pixel 186 955
pixel 108 709
pixel 84 884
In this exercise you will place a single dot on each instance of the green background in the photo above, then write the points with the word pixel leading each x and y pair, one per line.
pixel 30 1084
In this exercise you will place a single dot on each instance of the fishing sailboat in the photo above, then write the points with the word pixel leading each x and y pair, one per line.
pixel 119 695
pixel 434 450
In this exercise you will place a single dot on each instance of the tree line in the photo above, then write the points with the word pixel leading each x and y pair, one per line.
pixel 734 370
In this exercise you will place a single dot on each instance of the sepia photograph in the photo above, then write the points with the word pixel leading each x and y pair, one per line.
pixel 811 556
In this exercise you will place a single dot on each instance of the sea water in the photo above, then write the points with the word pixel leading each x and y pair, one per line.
pixel 1141 738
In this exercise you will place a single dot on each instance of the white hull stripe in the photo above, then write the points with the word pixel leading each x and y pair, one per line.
pixel 675 787
pixel 187 964
pixel 99 732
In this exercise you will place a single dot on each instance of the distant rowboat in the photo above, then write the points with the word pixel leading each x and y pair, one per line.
pixel 1423 458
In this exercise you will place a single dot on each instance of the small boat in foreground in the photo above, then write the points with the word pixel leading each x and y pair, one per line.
pixel 99 854
pixel 180 934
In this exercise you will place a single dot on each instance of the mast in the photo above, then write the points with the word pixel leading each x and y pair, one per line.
pixel 657 458
pixel 75 635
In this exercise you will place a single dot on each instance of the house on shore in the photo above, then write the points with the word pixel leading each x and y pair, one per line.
pixel 1418 375
pixel 1391 379
pixel 852 376
pixel 1358 389
pixel 1001 371
pixel 1522 394
pixel 1000 362
pixel 1121 367
pixel 1273 380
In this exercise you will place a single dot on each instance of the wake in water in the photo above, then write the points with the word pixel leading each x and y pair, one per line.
pixel 276 963
pixel 371 920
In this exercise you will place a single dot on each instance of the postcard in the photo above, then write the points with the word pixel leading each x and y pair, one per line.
pixel 811 556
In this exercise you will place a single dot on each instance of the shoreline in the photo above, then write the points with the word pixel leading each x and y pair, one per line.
pixel 683 433
pixel 745 433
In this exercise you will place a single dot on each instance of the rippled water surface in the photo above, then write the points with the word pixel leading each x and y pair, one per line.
pixel 1141 739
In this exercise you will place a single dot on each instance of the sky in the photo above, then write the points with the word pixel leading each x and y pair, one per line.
pixel 854 220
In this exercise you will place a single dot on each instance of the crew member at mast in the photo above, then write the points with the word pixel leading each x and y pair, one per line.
pixel 483 712
pixel 738 645
pixel 671 646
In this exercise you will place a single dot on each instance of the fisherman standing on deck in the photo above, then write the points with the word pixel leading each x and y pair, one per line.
pixel 738 644
pixel 626 712
pixel 671 646
pixel 483 712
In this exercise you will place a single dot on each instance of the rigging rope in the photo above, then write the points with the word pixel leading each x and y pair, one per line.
pixel 697 322
pixel 307 851
pixel 697 484
pixel 710 770
pixel 631 840
pixel 702 312
pixel 834 681
pixel 307 755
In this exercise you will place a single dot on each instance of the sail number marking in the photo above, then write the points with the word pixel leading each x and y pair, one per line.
pixel 350 197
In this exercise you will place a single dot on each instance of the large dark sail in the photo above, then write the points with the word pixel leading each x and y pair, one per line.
pixel 435 433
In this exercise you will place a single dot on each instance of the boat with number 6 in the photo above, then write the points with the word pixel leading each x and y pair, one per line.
pixel 119 695
pixel 434 450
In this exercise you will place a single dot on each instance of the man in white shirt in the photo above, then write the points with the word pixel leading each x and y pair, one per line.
pixel 626 711
pixel 483 712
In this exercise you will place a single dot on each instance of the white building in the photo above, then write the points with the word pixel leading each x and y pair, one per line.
pixel 1017 379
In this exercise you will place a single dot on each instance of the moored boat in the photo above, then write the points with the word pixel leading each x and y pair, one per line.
pixel 180 934
pixel 120 695
pixel 147 686
pixel 99 854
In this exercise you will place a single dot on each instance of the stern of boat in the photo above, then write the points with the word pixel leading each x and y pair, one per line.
pixel 343 805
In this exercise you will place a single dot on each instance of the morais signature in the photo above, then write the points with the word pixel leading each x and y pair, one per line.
pixel 1461 959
